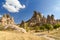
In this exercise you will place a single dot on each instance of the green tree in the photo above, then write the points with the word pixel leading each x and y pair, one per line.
pixel 26 27
pixel 36 28
pixel 42 28
pixel 48 27
pixel 56 26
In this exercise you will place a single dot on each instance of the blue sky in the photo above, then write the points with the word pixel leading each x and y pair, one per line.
pixel 26 8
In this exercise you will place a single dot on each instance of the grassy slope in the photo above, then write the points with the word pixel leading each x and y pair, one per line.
pixel 5 35
pixel 55 34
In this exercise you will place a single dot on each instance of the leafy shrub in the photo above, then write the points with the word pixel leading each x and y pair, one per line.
pixel 48 27
pixel 56 26
pixel 42 28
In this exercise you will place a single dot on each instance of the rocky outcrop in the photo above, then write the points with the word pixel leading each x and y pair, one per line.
pixel 6 19
pixel 14 27
pixel 50 19
pixel 8 23
pixel 38 19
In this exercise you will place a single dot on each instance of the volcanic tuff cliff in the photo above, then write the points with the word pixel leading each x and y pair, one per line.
pixel 38 19
pixel 6 19
pixel 7 22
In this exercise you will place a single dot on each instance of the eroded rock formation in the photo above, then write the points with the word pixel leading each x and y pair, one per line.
pixel 38 19
pixel 8 23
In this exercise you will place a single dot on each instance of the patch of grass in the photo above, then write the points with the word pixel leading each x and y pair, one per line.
pixel 6 35
pixel 56 34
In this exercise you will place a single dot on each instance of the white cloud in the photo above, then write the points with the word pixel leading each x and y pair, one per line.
pixel 13 5
pixel 56 8
pixel 0 15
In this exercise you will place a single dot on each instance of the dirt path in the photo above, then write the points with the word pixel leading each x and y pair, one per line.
pixel 45 36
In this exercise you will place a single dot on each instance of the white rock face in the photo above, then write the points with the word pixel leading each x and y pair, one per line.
pixel 8 22
pixel 15 28
pixel 22 30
